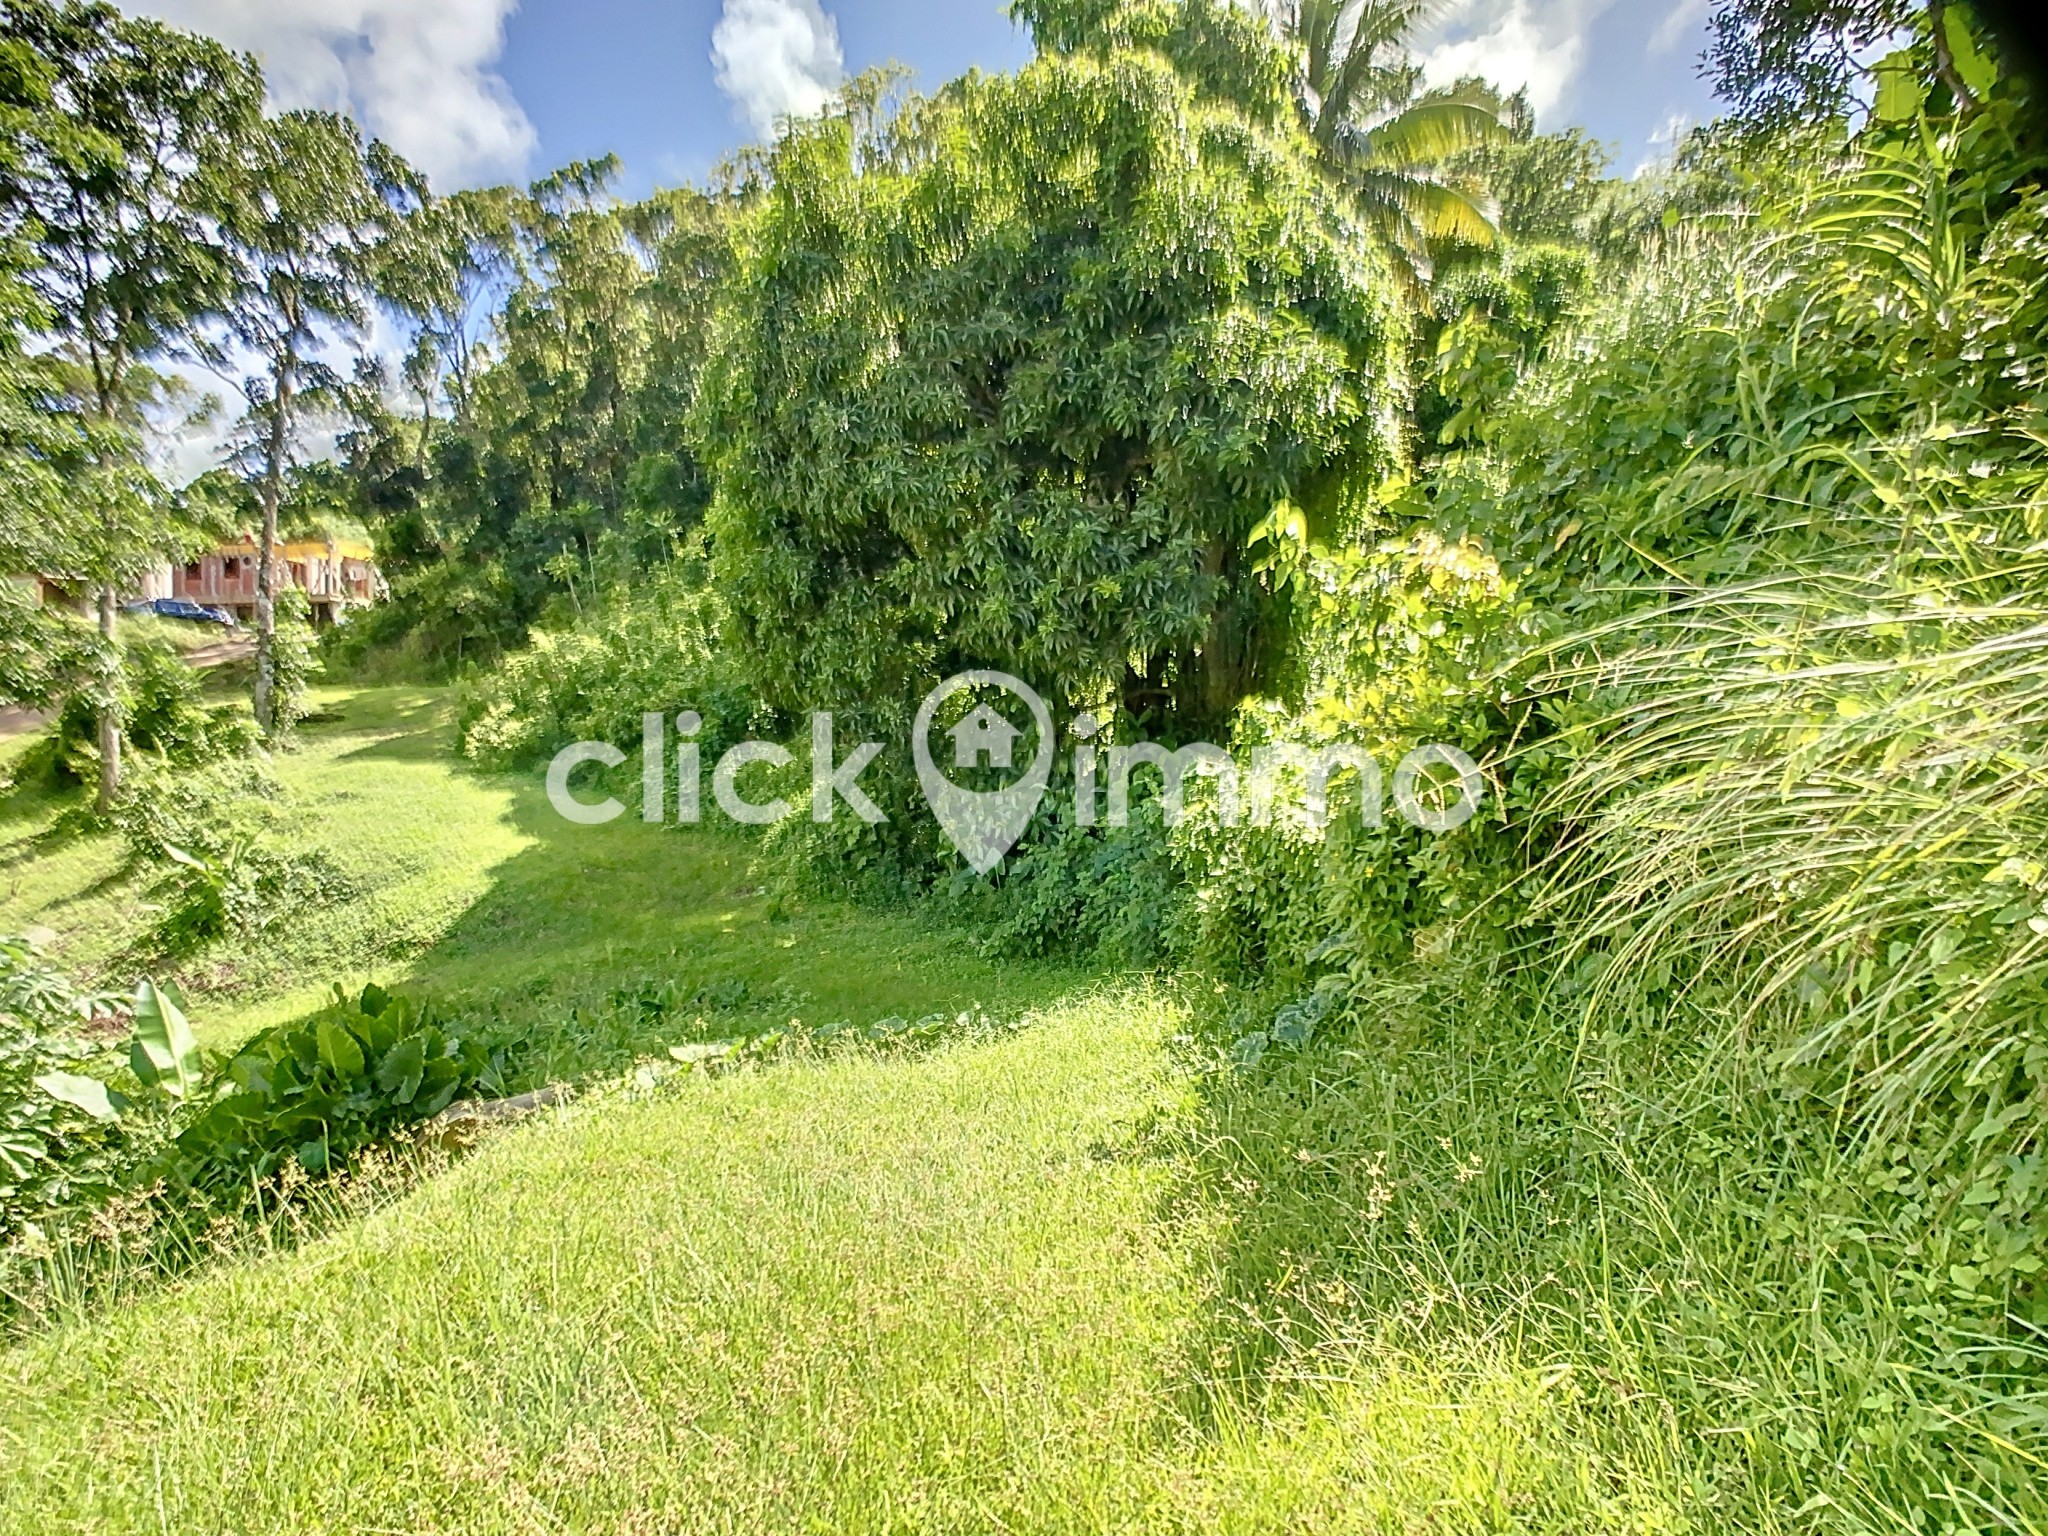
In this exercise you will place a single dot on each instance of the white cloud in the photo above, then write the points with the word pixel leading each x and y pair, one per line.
pixel 417 73
pixel 777 59
pixel 1664 144
pixel 1683 24
pixel 1533 45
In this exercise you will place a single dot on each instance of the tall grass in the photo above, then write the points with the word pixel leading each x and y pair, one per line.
pixel 1808 791
pixel 1741 993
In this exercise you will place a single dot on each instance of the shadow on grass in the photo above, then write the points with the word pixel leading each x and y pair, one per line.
pixel 590 950
pixel 59 835
pixel 406 725
pixel 594 947
pixel 1381 1189
pixel 600 945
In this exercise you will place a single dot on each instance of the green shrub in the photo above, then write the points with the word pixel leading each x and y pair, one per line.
pixel 241 888
pixel 209 832
pixel 320 1090
pixel 652 649
pixel 1112 894
pixel 1741 608
pixel 43 651
pixel 1406 640
pixel 1490 326
pixel 1785 509
pixel 59 1151
pixel 164 714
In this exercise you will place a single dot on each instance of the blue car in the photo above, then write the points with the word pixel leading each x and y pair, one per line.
pixel 184 608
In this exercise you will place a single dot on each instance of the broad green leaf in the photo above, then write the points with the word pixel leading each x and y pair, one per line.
pixel 339 1050
pixel 1973 65
pixel 86 1093
pixel 438 1100
pixel 241 1106
pixel 399 1073
pixel 165 1040
pixel 378 1032
pixel 1291 1026
pixel 18 1152
pixel 1900 90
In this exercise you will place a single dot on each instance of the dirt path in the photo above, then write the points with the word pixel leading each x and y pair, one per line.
pixel 16 721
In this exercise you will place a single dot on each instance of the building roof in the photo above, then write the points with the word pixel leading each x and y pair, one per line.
pixel 306 549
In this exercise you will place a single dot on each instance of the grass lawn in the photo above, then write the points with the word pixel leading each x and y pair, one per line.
pixel 472 891
pixel 969 1291
pixel 1444 1271
pixel 1019 1282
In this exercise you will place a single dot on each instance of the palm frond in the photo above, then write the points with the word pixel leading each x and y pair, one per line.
pixel 1430 132
pixel 1436 209
pixel 1357 91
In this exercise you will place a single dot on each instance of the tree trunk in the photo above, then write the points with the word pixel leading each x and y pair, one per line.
pixel 107 391
pixel 110 704
pixel 1945 59
pixel 1214 683
pixel 265 692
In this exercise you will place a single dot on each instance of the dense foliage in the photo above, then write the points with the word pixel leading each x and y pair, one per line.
pixel 321 1089
pixel 1025 395
pixel 656 650
pixel 1740 602
pixel 54 1152
pixel 1216 378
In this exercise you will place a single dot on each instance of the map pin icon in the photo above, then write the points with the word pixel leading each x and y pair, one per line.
pixel 984 826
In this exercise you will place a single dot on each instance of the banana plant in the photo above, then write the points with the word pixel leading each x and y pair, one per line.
pixel 165 1052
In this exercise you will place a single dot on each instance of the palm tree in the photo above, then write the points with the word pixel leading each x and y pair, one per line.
pixel 1378 133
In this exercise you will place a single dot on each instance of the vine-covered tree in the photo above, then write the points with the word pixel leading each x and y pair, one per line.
pixel 1023 397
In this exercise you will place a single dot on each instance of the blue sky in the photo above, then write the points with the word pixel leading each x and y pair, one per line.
pixel 483 90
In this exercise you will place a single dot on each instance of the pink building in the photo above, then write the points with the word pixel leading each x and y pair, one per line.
pixel 333 573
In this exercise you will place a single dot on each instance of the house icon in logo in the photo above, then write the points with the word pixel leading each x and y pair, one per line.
pixel 984 736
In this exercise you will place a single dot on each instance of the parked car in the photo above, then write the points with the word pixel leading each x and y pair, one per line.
pixel 182 608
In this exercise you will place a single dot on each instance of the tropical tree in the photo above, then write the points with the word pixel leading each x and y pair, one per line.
pixel 567 333
pixel 1549 186
pixel 685 240
pixel 1380 134
pixel 107 189
pixel 443 269
pixel 304 210
pixel 1028 397
pixel 574 353
pixel 41 438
